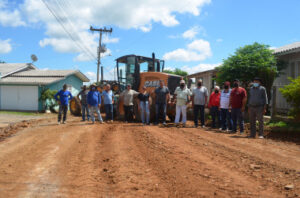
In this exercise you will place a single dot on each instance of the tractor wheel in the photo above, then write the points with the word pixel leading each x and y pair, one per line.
pixel 75 107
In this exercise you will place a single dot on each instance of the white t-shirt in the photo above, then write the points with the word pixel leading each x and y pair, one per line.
pixel 224 99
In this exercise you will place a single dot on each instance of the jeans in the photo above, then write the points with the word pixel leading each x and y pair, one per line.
pixel 198 108
pixel 256 113
pixel 62 109
pixel 109 111
pixel 237 116
pixel 215 113
pixel 85 109
pixel 180 109
pixel 128 117
pixel 226 119
pixel 144 105
pixel 160 107
pixel 93 110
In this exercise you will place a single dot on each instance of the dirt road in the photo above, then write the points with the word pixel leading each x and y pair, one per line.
pixel 130 160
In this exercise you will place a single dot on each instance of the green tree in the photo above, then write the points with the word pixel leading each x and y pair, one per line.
pixel 291 93
pixel 249 61
pixel 178 72
pixel 47 96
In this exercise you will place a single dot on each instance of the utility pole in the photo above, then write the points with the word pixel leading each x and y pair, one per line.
pixel 100 48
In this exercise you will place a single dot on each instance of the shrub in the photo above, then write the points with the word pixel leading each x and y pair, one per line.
pixel 291 93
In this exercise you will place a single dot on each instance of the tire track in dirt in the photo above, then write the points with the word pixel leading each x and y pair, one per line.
pixel 124 169
pixel 27 168
pixel 231 162
pixel 274 174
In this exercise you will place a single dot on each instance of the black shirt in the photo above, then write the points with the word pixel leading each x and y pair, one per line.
pixel 143 97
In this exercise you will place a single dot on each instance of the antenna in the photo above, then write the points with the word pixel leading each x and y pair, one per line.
pixel 33 58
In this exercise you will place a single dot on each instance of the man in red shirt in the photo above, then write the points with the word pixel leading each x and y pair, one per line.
pixel 238 100
pixel 214 104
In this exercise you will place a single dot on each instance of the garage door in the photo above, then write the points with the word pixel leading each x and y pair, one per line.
pixel 22 98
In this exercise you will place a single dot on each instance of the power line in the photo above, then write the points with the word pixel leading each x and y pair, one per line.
pixel 83 47
pixel 87 49
pixel 62 25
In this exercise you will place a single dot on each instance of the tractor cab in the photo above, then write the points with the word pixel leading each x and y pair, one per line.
pixel 129 68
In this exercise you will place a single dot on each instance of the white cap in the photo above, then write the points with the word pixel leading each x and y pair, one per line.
pixel 182 81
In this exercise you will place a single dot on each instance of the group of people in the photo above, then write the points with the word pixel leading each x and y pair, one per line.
pixel 90 100
pixel 226 106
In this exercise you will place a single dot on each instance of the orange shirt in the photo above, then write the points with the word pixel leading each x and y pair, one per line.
pixel 214 99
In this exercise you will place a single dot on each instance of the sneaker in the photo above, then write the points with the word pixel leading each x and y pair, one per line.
pixel 82 120
pixel 58 123
pixel 93 122
pixel 242 132
pixel 164 123
pixel 261 137
pixel 195 126
pixel 64 122
pixel 220 129
pixel 203 126
pixel 101 121
pixel 183 125
pixel 252 137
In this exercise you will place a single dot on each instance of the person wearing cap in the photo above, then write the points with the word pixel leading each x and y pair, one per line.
pixel 257 105
pixel 199 101
pixel 108 100
pixel 94 103
pixel 182 97
pixel 224 107
pixel 63 97
pixel 238 100
pixel 162 96
pixel 82 96
pixel 127 96
pixel 214 104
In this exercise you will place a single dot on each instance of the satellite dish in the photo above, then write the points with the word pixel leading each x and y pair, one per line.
pixel 34 58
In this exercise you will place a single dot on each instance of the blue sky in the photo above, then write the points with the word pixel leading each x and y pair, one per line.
pixel 193 35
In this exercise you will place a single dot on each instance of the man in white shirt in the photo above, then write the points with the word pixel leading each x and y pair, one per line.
pixel 182 97
pixel 225 107
pixel 199 101
pixel 128 95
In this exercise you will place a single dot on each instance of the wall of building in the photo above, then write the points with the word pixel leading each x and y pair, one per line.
pixel 293 70
pixel 207 80
pixel 72 80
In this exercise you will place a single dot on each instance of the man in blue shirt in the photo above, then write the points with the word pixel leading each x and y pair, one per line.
pixel 94 103
pixel 108 99
pixel 63 101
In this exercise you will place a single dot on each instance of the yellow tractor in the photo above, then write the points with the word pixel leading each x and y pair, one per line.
pixel 139 71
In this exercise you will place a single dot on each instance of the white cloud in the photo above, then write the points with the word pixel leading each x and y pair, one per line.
pixel 83 13
pixel 198 50
pixel 219 40
pixel 191 33
pixel 200 67
pixel 107 39
pixel 10 17
pixel 91 75
pixel 5 46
